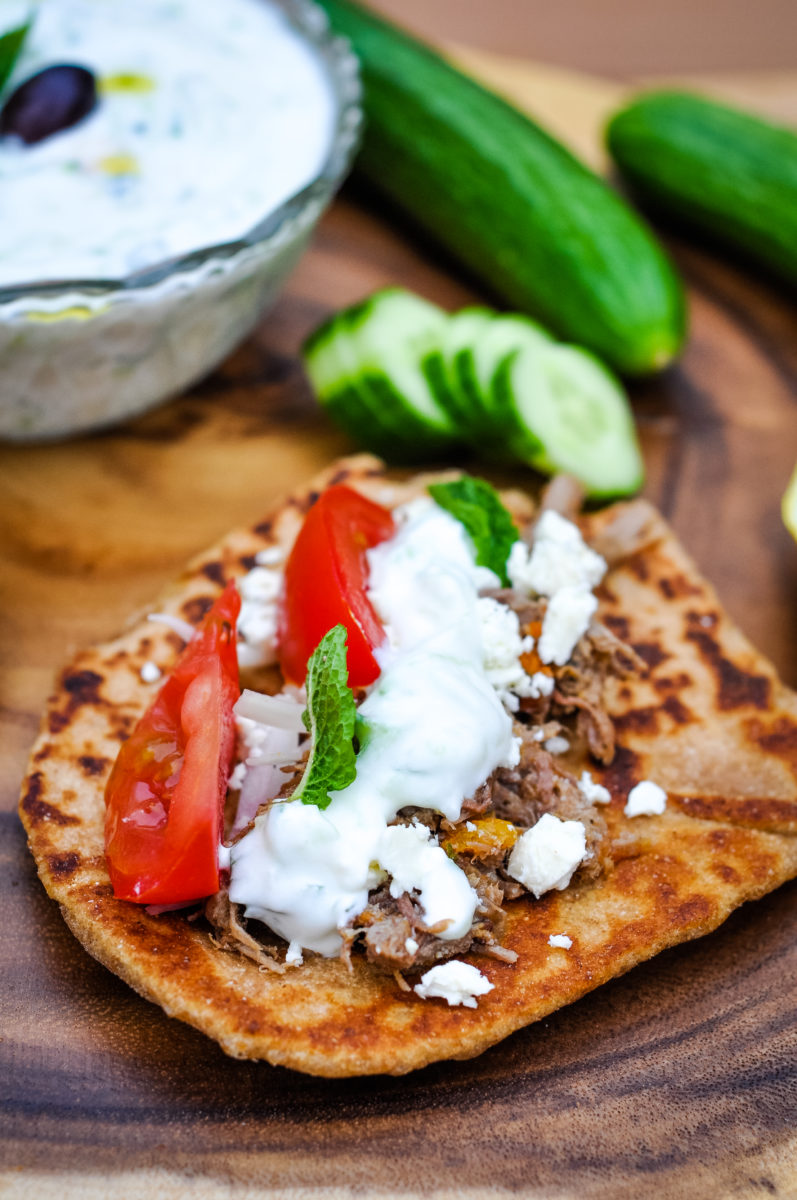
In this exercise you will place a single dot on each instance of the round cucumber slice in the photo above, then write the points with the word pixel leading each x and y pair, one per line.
pixel 566 412
pixel 475 368
pixel 505 335
pixel 390 335
pixel 462 330
pixel 332 370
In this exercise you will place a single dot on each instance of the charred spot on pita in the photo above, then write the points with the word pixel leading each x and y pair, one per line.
pixel 651 653
pixel 736 688
pixel 83 687
pixel 37 809
pixel 63 865
pixel 195 609
pixel 214 571
pixel 93 764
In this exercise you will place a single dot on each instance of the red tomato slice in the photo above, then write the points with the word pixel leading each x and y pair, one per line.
pixel 166 791
pixel 325 584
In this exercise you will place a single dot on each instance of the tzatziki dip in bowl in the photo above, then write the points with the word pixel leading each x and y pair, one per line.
pixel 140 243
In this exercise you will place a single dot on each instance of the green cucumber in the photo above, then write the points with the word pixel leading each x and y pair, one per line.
pixel 564 411
pixel 333 374
pixel 724 172
pixel 530 220
pixel 512 392
pixel 464 329
pixel 477 364
pixel 367 368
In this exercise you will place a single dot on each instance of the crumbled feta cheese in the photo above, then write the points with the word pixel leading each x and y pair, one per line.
pixel 594 792
pixel 471 828
pixel 542 684
pixel 410 945
pixel 272 556
pixel 258 620
pixel 557 745
pixel 150 672
pixel 546 856
pixel 513 757
pixel 647 799
pixel 560 941
pixel 454 981
pixel 502 646
pixel 252 737
pixel 566 620
pixel 294 956
pixel 559 558
pixel 237 777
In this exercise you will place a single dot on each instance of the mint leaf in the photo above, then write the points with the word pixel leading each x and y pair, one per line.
pixel 11 44
pixel 478 507
pixel 329 719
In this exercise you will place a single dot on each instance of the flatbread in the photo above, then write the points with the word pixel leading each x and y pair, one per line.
pixel 710 722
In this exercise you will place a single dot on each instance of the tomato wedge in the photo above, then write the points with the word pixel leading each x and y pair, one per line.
pixel 325 584
pixel 166 791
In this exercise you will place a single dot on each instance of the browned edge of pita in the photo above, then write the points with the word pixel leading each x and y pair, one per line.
pixel 709 721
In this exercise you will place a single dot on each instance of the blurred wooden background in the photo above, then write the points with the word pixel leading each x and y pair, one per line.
pixel 616 37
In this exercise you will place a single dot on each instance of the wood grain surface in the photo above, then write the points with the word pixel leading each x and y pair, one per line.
pixel 678 1080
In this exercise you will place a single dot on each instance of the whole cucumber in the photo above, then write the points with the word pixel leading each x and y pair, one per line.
pixel 544 233
pixel 725 172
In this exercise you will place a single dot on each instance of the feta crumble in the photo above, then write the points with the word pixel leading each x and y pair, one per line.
pixel 647 799
pixel 557 745
pixel 294 956
pixel 546 856
pixel 454 981
pixel 259 618
pixel 150 672
pixel 272 556
pixel 559 558
pixel 502 646
pixel 566 620
pixel 560 941
pixel 410 945
pixel 237 777
pixel 594 792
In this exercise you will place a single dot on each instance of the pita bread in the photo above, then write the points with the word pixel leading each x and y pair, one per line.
pixel 710 722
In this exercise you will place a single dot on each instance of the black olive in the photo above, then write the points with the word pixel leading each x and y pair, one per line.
pixel 52 100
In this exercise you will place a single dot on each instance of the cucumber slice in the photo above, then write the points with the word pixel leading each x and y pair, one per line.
pixel 506 335
pixel 365 366
pixel 390 335
pixel 332 370
pixel 463 329
pixel 475 367
pixel 566 412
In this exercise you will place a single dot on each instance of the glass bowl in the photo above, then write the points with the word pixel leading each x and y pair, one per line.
pixel 78 355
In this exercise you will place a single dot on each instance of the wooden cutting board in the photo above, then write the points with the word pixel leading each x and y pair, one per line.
pixel 677 1080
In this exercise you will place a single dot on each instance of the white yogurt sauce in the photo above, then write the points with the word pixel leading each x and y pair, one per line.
pixel 229 114
pixel 434 729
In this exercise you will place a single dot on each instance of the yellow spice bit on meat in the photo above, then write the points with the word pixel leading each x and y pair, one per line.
pixel 489 836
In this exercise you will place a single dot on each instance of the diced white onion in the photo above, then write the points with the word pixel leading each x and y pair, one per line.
pixel 270 710
pixel 182 628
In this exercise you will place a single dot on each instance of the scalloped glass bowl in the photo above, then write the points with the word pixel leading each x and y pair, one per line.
pixel 77 356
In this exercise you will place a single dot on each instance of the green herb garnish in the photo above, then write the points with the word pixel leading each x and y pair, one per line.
pixel 11 44
pixel 329 719
pixel 478 507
